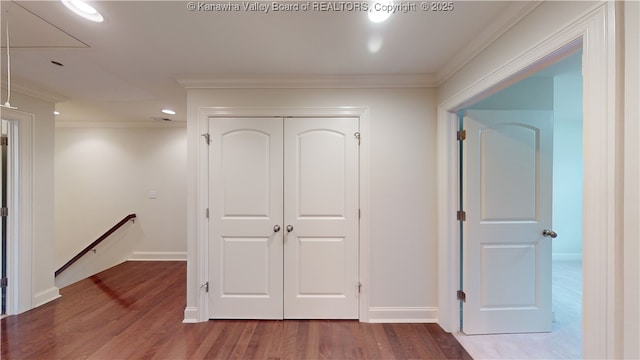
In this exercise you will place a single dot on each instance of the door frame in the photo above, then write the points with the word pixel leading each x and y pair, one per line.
pixel 595 34
pixel 201 312
pixel 20 297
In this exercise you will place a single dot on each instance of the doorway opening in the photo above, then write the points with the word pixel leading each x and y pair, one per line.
pixel 558 89
pixel 19 128
pixel 601 173
pixel 4 213
pixel 9 213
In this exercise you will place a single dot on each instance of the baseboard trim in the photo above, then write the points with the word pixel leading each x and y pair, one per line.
pixel 46 296
pixel 158 256
pixel 190 315
pixel 403 314
pixel 567 257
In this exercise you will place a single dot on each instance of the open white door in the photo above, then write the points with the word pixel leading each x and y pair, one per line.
pixel 321 210
pixel 507 197
pixel 245 250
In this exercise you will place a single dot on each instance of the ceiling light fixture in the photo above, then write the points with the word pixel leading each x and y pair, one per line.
pixel 83 9
pixel 380 11
pixel 56 113
pixel 168 111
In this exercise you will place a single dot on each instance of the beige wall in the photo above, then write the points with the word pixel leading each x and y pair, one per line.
pixel 403 258
pixel 104 174
pixel 631 314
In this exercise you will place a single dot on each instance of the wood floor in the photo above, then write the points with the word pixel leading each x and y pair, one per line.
pixel 135 311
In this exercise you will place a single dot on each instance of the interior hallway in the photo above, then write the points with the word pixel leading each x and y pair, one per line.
pixel 565 340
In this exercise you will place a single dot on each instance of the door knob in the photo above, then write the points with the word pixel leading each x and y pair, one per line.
pixel 289 228
pixel 276 228
pixel 549 233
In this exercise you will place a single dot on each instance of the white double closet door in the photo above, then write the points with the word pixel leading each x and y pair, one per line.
pixel 283 228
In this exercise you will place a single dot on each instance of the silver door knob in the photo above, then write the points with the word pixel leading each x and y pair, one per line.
pixel 289 228
pixel 549 233
pixel 276 228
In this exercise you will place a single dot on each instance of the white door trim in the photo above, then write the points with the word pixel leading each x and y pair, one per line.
pixel 200 312
pixel 20 297
pixel 595 33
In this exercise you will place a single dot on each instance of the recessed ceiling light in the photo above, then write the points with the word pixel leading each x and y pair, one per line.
pixel 83 9
pixel 168 111
pixel 56 113
pixel 380 11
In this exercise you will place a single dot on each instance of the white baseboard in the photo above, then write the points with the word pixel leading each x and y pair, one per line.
pixel 158 256
pixel 45 296
pixel 567 257
pixel 376 315
pixel 403 314
pixel 190 315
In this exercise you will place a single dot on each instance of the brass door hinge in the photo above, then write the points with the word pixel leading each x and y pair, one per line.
pixel 461 135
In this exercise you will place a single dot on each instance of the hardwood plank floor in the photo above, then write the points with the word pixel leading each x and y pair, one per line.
pixel 135 310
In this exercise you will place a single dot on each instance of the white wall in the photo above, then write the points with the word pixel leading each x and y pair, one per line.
pixel 104 174
pixel 403 257
pixel 567 164
pixel 631 328
pixel 43 287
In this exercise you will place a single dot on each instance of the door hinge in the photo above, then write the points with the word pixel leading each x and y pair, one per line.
pixel 4 212
pixel 205 286
pixel 461 135
pixel 207 138
pixel 206 212
pixel 4 140
pixel 359 214
pixel 461 215
pixel 4 282
pixel 357 136
pixel 460 295
pixel 359 286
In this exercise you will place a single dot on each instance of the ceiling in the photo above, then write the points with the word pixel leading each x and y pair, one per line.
pixel 137 62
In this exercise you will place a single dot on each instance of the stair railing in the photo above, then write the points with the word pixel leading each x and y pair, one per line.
pixel 113 229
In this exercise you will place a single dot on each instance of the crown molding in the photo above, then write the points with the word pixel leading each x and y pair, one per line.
pixel 120 124
pixel 36 92
pixel 309 82
pixel 512 15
